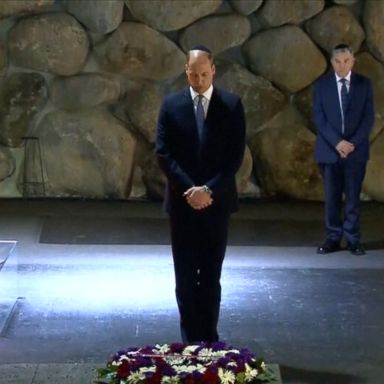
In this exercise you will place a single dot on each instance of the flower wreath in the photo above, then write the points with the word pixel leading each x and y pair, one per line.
pixel 205 363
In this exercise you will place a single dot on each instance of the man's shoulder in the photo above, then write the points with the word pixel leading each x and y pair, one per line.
pixel 176 95
pixel 225 96
pixel 325 78
pixel 358 77
pixel 177 98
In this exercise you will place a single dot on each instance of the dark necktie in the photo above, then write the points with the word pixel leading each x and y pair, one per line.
pixel 200 117
pixel 344 95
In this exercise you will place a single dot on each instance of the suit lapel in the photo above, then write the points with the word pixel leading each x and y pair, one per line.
pixel 212 109
pixel 188 113
pixel 352 90
pixel 188 110
pixel 334 94
pixel 335 91
pixel 211 118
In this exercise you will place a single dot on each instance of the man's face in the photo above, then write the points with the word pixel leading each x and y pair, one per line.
pixel 342 63
pixel 200 72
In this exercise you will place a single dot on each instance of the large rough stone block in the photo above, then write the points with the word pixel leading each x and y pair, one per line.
pixel 84 90
pixel 140 52
pixel 97 16
pixel 14 7
pixel 260 98
pixel 244 174
pixel 246 7
pixel 374 179
pixel 153 178
pixel 7 163
pixel 22 97
pixel 367 65
pixel 276 13
pixel 86 154
pixel 170 15
pixel 53 42
pixel 3 58
pixel 304 102
pixel 278 55
pixel 284 160
pixel 374 27
pixel 334 26
pixel 345 2
pixel 140 107
pixel 234 30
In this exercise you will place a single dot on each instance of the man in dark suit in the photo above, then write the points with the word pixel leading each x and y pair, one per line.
pixel 200 144
pixel 344 116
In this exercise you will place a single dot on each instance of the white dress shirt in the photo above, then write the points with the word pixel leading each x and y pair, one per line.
pixel 206 99
pixel 339 85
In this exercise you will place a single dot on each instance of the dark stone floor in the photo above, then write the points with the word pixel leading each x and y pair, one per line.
pixel 319 317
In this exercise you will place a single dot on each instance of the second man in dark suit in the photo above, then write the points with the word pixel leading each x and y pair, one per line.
pixel 200 144
pixel 344 116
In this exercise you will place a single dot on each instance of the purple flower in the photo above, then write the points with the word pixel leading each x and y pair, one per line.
pixel 168 371
pixel 223 361
pixel 147 350
pixel 219 346
pixel 197 376
pixel 177 347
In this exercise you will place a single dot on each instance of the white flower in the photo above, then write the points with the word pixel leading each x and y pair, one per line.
pixel 250 373
pixel 135 377
pixel 170 380
pixel 174 360
pixel 189 368
pixel 180 368
pixel 144 370
pixel 208 355
pixel 226 377
pixel 185 368
pixel 200 368
pixel 162 349
pixel 205 354
pixel 188 350
pixel 218 354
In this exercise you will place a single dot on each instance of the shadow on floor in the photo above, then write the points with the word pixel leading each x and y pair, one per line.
pixel 306 376
pixel 155 231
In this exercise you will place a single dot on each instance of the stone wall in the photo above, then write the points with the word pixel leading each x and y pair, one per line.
pixel 86 78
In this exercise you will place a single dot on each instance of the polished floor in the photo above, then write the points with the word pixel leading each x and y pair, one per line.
pixel 71 294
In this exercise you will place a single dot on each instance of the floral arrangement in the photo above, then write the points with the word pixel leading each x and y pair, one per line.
pixel 205 363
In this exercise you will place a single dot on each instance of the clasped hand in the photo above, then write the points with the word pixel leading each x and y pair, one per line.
pixel 344 148
pixel 198 197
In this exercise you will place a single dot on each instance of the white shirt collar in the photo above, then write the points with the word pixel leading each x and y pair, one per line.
pixel 348 77
pixel 207 94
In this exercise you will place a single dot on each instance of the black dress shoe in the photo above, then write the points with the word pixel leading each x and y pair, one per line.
pixel 328 247
pixel 356 249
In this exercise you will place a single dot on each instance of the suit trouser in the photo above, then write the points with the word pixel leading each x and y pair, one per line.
pixel 199 240
pixel 343 177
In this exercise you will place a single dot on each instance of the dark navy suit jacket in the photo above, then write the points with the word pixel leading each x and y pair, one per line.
pixel 214 163
pixel 359 118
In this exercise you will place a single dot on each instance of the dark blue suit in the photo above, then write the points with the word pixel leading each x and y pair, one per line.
pixel 199 237
pixel 343 176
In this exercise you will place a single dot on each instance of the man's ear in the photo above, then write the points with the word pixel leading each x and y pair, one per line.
pixel 213 69
pixel 186 67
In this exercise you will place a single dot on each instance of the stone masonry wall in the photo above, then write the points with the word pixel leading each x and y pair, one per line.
pixel 85 80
